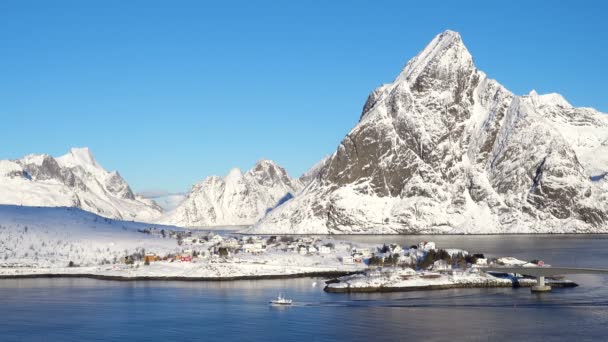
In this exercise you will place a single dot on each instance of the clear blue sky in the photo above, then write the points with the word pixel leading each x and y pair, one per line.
pixel 170 92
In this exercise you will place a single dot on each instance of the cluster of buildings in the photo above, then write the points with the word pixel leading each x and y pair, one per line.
pixel 215 246
pixel 307 246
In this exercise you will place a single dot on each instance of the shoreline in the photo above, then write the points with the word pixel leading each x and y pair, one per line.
pixel 433 287
pixel 413 234
pixel 324 274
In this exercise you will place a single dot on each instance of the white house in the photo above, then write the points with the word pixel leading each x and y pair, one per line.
pixel 231 242
pixel 248 248
pixel 481 261
pixel 426 246
pixel 303 250
pixel 312 249
pixel 256 247
pixel 348 260
pixel 216 239
pixel 407 271
pixel 441 265
pixel 324 250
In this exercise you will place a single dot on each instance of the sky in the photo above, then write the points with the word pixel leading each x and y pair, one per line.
pixel 169 92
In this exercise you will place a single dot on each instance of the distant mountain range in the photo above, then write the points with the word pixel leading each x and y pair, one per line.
pixel 77 180
pixel 73 180
pixel 236 199
pixel 442 149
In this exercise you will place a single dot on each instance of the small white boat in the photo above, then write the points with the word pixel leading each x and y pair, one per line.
pixel 280 300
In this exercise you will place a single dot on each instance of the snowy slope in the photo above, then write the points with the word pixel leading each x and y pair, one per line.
pixel 445 149
pixel 585 129
pixel 236 199
pixel 72 180
pixel 52 237
pixel 313 172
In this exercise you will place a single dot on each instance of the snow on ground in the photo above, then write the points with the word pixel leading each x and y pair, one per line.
pixel 406 278
pixel 35 240
pixel 510 261
pixel 52 237
pixel 202 269
pixel 43 241
pixel 402 278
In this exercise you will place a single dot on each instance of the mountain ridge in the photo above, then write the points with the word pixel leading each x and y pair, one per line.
pixel 72 180
pixel 236 199
pixel 445 149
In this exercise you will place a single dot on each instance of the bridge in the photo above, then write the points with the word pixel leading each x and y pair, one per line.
pixel 541 272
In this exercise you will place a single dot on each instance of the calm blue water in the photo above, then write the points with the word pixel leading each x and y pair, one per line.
pixel 92 310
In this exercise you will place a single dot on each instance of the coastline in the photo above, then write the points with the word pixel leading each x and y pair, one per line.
pixel 371 289
pixel 325 274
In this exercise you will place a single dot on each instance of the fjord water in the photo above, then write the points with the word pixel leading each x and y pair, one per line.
pixel 95 310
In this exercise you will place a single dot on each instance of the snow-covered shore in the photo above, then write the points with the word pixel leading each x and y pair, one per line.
pixel 37 242
pixel 406 279
pixel 167 271
pixel 68 242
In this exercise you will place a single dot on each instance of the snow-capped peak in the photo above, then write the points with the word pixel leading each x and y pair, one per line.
pixel 72 180
pixel 233 174
pixel 78 156
pixel 35 159
pixel 265 163
pixel 444 149
pixel 267 167
pixel 445 54
pixel 237 199
pixel 551 99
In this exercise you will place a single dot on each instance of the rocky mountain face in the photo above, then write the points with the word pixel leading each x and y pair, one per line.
pixel 313 172
pixel 72 180
pixel 236 199
pixel 445 149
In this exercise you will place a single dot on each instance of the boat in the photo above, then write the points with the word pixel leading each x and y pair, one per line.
pixel 280 300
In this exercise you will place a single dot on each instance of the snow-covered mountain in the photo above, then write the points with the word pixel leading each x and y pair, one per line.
pixel 445 149
pixel 236 199
pixel 72 180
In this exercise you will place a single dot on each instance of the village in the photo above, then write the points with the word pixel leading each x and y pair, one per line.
pixel 196 247
pixel 163 253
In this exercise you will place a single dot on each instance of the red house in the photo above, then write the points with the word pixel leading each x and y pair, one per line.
pixel 186 258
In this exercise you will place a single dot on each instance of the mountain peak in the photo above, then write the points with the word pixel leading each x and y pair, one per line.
pixel 551 99
pixel 78 156
pixel 237 199
pixel 233 174
pixel 445 54
pixel 268 169
pixel 265 164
